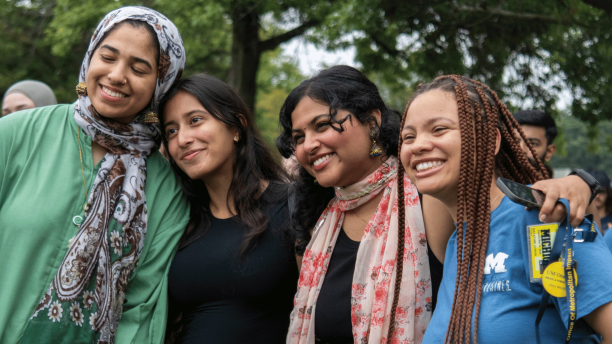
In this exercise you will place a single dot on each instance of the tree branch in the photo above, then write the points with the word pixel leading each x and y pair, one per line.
pixel 514 15
pixel 272 43
pixel 601 4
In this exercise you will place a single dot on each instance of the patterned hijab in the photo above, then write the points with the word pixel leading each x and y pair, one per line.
pixel 117 192
pixel 375 269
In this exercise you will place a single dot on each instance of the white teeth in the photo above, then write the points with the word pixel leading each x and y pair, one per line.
pixel 112 94
pixel 427 165
pixel 322 159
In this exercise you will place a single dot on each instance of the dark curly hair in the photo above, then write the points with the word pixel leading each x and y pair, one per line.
pixel 342 88
pixel 254 161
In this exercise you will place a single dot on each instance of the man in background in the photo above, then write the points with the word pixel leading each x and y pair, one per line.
pixel 541 130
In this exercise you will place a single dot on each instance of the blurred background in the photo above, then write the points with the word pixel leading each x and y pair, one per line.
pixel 553 55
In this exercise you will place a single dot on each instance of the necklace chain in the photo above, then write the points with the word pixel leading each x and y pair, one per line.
pixel 495 199
pixel 359 217
pixel 82 169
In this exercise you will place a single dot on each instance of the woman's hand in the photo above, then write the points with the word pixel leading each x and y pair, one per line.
pixel 572 188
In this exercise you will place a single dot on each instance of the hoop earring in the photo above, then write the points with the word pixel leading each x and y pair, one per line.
pixel 375 150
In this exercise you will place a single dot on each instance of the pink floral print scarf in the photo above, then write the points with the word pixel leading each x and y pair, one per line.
pixel 374 276
pixel 97 252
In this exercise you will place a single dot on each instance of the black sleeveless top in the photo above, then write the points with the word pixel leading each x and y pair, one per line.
pixel 224 299
pixel 333 309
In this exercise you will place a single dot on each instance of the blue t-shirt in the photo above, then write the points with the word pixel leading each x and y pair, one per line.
pixel 509 303
pixel 608 240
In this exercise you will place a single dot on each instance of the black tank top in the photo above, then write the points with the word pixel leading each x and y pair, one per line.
pixel 333 309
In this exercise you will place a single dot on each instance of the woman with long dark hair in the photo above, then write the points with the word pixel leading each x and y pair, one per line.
pixel 234 276
pixel 90 212
pixel 354 238
pixel 457 138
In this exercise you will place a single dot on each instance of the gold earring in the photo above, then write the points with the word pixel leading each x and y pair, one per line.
pixel 375 150
pixel 236 138
pixel 151 117
pixel 81 89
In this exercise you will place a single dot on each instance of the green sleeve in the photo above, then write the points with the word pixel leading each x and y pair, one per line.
pixel 145 310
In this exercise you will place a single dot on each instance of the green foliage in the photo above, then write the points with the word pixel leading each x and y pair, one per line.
pixel 277 76
pixel 527 50
pixel 585 146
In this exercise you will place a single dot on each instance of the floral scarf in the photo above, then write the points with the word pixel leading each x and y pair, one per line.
pixel 117 192
pixel 374 276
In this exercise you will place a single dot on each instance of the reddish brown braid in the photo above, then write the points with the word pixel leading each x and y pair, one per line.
pixel 480 113
pixel 401 219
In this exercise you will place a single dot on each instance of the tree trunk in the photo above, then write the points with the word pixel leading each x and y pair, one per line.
pixel 245 53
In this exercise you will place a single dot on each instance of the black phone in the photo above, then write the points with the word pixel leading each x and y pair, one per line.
pixel 521 194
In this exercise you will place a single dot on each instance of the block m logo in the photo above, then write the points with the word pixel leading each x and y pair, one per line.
pixel 497 263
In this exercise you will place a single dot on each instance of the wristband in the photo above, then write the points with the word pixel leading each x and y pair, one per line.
pixel 591 182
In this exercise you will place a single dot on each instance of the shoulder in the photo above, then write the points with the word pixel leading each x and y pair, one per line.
pixel 165 200
pixel 38 119
pixel 274 203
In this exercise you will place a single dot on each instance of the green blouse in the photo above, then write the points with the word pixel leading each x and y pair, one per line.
pixel 41 203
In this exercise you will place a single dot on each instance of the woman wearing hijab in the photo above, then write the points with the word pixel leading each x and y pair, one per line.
pixel 27 94
pixel 90 212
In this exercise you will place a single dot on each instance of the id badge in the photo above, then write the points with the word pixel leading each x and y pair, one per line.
pixel 541 238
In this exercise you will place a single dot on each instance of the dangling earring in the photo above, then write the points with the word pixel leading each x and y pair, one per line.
pixel 236 138
pixel 81 89
pixel 151 117
pixel 375 150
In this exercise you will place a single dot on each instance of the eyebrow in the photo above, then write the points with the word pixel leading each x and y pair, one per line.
pixel 433 120
pixel 134 58
pixel 187 114
pixel 312 121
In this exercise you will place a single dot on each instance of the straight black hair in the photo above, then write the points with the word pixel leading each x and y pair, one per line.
pixel 253 162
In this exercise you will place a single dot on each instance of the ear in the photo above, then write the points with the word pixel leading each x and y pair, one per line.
pixel 497 141
pixel 243 121
pixel 550 151
pixel 377 116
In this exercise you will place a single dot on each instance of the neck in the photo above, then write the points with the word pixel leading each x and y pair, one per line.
pixel 495 195
pixel 221 206
pixel 376 163
pixel 602 212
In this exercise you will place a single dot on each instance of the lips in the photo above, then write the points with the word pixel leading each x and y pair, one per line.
pixel 111 93
pixel 424 166
pixel 322 159
pixel 189 155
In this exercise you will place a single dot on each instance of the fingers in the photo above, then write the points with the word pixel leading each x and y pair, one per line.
pixel 557 214
pixel 577 215
pixel 549 204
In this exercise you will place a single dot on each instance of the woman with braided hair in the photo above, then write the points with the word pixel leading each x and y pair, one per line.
pixel 347 222
pixel 457 137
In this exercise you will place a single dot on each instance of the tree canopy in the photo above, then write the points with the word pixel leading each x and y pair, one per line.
pixel 527 50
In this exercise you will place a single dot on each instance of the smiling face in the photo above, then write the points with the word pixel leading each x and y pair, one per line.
pixel 431 151
pixel 15 102
pixel 333 158
pixel 200 144
pixel 122 73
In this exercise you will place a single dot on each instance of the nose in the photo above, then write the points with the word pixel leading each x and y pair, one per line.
pixel 184 138
pixel 524 147
pixel 311 143
pixel 117 74
pixel 421 143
